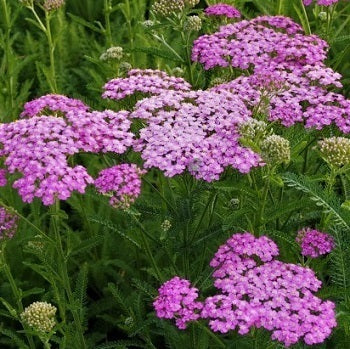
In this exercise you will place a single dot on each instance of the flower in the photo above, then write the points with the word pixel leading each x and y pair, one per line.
pixel 321 2
pixel 335 151
pixel 40 316
pixel 121 182
pixel 51 5
pixel 222 10
pixel 168 7
pixel 113 53
pixel 3 179
pixel 314 243
pixel 8 224
pixel 177 300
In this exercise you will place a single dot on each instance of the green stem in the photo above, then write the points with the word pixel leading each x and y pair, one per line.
pixel 62 264
pixel 307 29
pixel 147 248
pixel 17 294
pixel 263 201
pixel 52 82
pixel 107 12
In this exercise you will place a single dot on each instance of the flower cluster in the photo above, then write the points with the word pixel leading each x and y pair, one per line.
pixel 275 150
pixel 52 104
pixel 196 131
pixel 51 5
pixel 321 2
pixel 257 291
pixel 121 182
pixel 314 243
pixel 38 146
pixel 40 316
pixel 222 10
pixel 146 81
pixel 3 179
pixel 113 53
pixel 8 224
pixel 168 7
pixel 259 42
pixel 335 150
pixel 177 300
pixel 193 23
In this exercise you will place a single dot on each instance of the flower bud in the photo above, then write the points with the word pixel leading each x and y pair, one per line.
pixel 335 150
pixel 193 23
pixel 275 150
pixel 40 316
pixel 168 7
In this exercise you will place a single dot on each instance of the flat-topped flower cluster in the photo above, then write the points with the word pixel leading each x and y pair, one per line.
pixel 254 290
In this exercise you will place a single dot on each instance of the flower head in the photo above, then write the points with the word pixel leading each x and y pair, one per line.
pixel 177 300
pixel 275 150
pixel 51 5
pixel 121 182
pixel 335 150
pixel 314 243
pixel 222 10
pixel 166 8
pixel 193 23
pixel 40 316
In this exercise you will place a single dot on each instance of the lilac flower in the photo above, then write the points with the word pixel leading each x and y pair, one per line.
pixel 177 300
pixel 52 104
pixel 121 182
pixel 146 81
pixel 314 243
pixel 196 131
pixel 222 10
pixel 8 224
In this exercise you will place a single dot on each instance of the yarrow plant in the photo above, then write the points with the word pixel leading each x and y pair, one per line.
pixel 314 243
pixel 321 2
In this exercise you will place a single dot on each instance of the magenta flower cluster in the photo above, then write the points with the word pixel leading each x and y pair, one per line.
pixel 321 2
pixel 222 10
pixel 314 243
pixel 177 300
pixel 146 81
pixel 121 182
pixel 38 147
pixel 8 224
pixel 255 290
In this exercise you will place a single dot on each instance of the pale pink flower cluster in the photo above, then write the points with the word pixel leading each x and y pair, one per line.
pixel 222 10
pixel 321 2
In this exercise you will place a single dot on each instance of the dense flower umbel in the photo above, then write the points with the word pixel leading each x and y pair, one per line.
pixel 121 182
pixel 335 150
pixel 262 292
pixel 222 10
pixel 52 104
pixel 177 300
pixel 168 7
pixel 257 291
pixel 51 5
pixel 8 224
pixel 38 148
pixel 275 150
pixel 260 41
pixel 314 243
pixel 195 131
pixel 321 2
pixel 40 316
pixel 298 96
pixel 146 81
